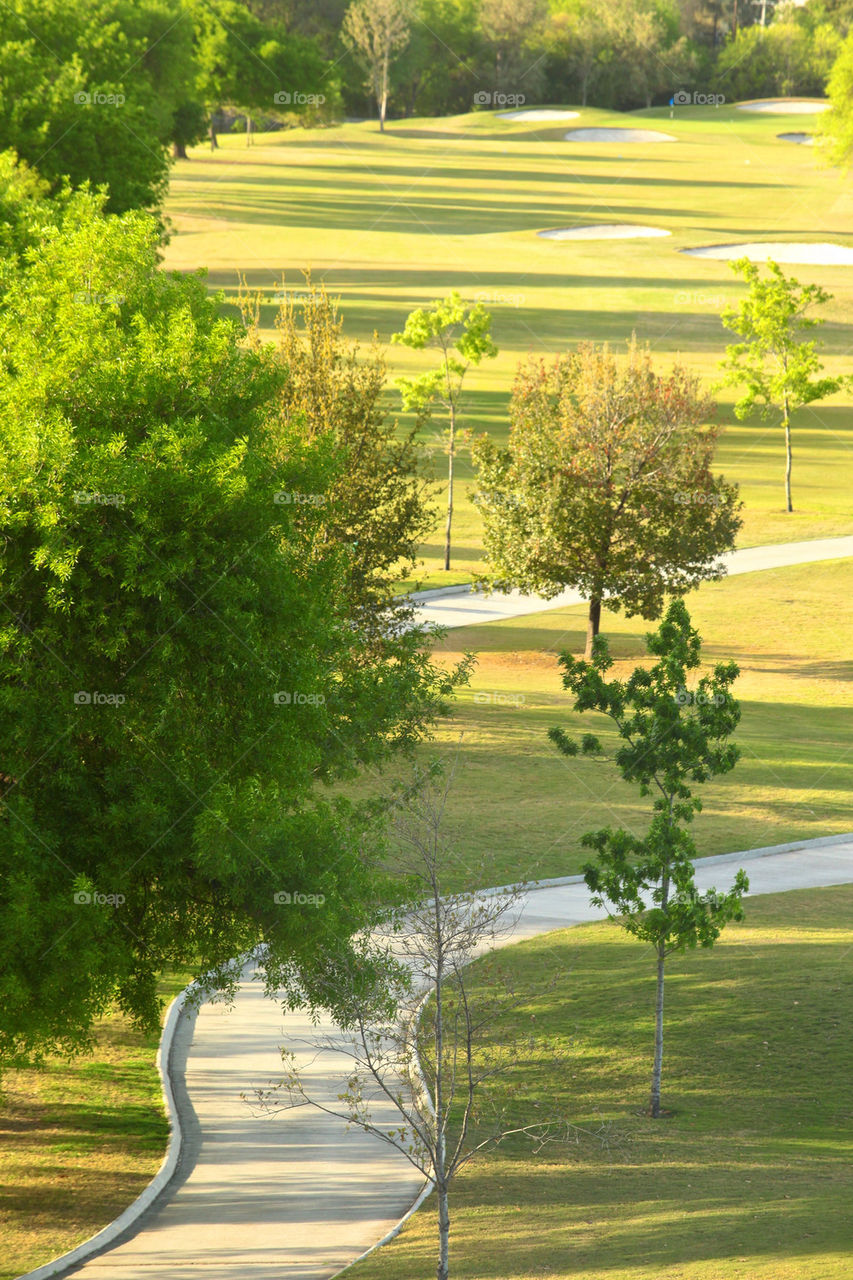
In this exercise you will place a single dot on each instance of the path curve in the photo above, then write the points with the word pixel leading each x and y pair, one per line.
pixel 299 1196
pixel 465 607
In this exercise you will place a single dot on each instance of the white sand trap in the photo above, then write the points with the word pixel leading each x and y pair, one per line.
pixel 604 231
pixel 785 106
pixel 539 113
pixel 617 135
pixel 804 139
pixel 819 255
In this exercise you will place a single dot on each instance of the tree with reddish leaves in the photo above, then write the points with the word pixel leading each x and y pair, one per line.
pixel 606 485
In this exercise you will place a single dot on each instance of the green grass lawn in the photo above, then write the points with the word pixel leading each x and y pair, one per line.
pixel 391 221
pixel 79 1140
pixel 519 808
pixel 751 1175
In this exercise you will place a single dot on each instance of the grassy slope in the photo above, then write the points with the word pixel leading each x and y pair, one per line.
pixel 749 1178
pixel 390 222
pixel 519 808
pixel 79 1140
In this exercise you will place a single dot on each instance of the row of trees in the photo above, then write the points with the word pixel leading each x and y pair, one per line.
pixel 606 485
pixel 203 536
pixel 110 91
pixel 446 54
pixel 203 530
pixel 428 1039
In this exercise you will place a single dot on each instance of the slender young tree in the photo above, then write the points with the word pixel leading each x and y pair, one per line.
pixel 377 30
pixel 670 736
pixel 426 1039
pixel 779 370
pixel 462 335
pixel 606 485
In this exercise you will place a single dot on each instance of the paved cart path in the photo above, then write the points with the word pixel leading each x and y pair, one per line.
pixel 296 1196
pixel 461 607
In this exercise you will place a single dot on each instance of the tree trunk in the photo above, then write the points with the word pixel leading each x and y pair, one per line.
pixel 593 625
pixel 443 1235
pixel 654 1107
pixel 211 133
pixel 248 131
pixel 383 97
pixel 450 456
pixel 179 151
pixel 788 459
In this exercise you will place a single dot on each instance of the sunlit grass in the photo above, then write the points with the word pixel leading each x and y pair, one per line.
pixel 391 222
pixel 750 1175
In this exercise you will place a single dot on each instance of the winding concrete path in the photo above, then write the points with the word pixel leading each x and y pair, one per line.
pixel 297 1196
pixel 462 607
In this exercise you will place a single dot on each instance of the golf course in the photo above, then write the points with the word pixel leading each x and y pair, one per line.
pixel 748 1175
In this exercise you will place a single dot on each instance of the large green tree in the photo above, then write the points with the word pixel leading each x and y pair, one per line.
pixel 380 505
pixel 90 92
pixel 836 126
pixel 606 485
pixel 183 679
pixel 254 65
pixel 669 737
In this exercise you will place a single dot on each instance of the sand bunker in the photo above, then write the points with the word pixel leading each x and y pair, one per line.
pixel 617 135
pixel 539 113
pixel 782 251
pixel 785 106
pixel 804 139
pixel 604 231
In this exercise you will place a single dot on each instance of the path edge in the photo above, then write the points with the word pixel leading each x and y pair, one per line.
pixel 169 1164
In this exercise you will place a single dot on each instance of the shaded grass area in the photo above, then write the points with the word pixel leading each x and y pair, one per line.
pixel 518 808
pixel 79 1140
pixel 391 221
pixel 749 1178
